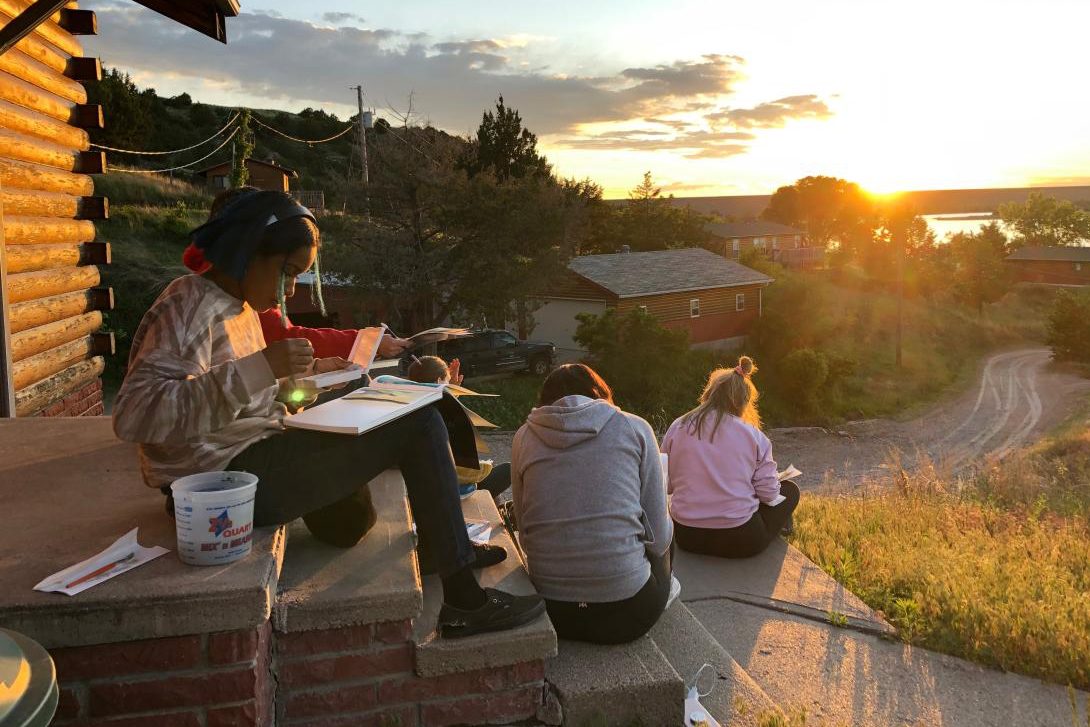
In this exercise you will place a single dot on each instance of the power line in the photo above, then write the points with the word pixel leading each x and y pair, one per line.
pixel 175 151
pixel 183 166
pixel 302 141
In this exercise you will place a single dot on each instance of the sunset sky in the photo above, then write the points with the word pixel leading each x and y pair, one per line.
pixel 712 96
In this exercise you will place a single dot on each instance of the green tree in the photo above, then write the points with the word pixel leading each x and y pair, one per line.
pixel 1069 326
pixel 129 113
pixel 831 210
pixel 648 220
pixel 804 374
pixel 505 148
pixel 1045 221
pixel 981 274
pixel 635 354
pixel 244 147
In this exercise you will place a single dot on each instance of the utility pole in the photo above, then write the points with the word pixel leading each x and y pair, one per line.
pixel 899 240
pixel 363 153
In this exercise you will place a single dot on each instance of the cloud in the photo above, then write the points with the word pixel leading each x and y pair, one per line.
pixel 294 63
pixel 342 18
pixel 772 114
pixel 698 144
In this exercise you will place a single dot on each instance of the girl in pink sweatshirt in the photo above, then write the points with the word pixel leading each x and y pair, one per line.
pixel 726 500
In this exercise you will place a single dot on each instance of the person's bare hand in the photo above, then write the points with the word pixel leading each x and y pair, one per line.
pixel 455 370
pixel 391 347
pixel 331 363
pixel 289 357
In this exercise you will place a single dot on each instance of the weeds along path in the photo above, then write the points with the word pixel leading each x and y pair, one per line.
pixel 1020 396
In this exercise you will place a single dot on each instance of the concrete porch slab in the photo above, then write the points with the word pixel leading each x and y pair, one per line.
pixel 534 641
pixel 781 578
pixel 69 488
pixel 323 586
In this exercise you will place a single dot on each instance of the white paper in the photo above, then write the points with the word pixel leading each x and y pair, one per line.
pixel 479 531
pixel 365 347
pixel 790 473
pixel 123 547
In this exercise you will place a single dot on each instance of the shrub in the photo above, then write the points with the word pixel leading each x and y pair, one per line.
pixel 803 376
pixel 1069 326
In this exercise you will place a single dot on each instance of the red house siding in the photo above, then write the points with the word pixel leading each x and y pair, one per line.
pixel 719 316
pixel 1053 272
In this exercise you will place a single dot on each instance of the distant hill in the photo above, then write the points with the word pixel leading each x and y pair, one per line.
pixel 927 202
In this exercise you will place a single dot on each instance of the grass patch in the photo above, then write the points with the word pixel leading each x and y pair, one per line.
pixel 991 568
pixel 518 395
pixel 149 189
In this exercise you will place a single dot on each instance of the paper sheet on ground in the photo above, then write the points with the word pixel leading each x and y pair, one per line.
pixel 479 531
pixel 121 549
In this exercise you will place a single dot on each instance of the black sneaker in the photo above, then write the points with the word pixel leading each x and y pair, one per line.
pixel 486 555
pixel 500 612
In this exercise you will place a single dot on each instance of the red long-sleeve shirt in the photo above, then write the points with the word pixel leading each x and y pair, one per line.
pixel 327 342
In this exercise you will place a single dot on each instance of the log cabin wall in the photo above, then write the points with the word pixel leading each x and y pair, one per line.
pixel 52 264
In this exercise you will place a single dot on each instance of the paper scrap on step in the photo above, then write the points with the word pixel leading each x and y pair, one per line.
pixel 479 531
pixel 124 555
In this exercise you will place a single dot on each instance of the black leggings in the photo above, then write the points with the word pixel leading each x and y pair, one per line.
pixel 745 540
pixel 616 622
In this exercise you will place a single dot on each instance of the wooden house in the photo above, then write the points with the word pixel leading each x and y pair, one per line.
pixel 716 300
pixel 786 245
pixel 51 302
pixel 263 175
pixel 1063 265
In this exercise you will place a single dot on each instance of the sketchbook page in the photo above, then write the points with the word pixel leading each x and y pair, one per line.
pixel 476 419
pixel 332 378
pixel 789 473
pixel 775 500
pixel 358 415
pixel 365 347
pixel 434 335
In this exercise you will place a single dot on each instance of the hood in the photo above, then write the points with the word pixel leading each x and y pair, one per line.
pixel 570 420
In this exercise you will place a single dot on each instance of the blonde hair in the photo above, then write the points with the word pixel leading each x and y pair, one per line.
pixel 729 391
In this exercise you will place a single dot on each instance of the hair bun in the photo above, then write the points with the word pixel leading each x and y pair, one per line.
pixel 745 364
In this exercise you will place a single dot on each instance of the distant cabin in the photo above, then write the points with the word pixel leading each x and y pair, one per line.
pixel 716 300
pixel 263 175
pixel 1063 265
pixel 786 245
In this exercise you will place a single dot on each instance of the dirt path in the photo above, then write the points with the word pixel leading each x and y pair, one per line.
pixel 1019 396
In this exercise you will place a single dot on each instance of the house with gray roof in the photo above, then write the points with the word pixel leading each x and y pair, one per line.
pixel 714 299
pixel 786 245
pixel 1058 265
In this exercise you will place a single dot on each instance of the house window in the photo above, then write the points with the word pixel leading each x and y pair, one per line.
pixel 643 308
pixel 1078 267
pixel 758 242
pixel 737 244
pixel 775 243
pixel 740 301
pixel 694 308
pixel 797 240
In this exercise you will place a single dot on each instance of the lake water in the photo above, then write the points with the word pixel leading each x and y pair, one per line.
pixel 957 223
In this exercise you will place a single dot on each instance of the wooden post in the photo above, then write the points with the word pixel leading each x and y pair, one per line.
pixel 7 388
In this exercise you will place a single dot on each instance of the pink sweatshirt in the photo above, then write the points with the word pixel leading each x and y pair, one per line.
pixel 719 484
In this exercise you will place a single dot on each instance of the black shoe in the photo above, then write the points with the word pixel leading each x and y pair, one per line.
pixel 500 612
pixel 486 555
pixel 789 527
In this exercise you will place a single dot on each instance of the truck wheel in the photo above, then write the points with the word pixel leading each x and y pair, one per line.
pixel 539 366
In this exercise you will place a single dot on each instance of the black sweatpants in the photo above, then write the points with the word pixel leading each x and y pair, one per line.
pixel 616 622
pixel 745 540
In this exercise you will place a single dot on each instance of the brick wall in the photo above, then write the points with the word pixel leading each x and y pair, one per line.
pixel 83 402
pixel 204 680
pixel 359 676
pixel 363 676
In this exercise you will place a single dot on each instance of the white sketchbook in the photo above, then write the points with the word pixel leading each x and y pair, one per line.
pixel 362 410
pixel 786 474
pixel 362 355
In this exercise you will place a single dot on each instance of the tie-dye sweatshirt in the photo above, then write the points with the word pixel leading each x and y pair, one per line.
pixel 198 390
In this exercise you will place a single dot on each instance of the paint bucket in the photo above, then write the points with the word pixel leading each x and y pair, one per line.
pixel 214 516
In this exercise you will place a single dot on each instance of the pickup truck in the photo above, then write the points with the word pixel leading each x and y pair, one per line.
pixel 493 351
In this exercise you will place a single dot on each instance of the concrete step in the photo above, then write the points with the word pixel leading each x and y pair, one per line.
pixel 534 641
pixel 324 587
pixel 733 697
pixel 620 686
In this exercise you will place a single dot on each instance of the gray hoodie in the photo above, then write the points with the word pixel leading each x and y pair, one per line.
pixel 589 498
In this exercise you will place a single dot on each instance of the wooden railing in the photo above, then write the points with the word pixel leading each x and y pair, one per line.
pixel 311 199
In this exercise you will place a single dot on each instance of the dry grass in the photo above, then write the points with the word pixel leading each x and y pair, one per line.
pixel 994 567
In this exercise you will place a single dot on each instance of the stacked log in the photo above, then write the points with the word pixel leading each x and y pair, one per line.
pixel 52 307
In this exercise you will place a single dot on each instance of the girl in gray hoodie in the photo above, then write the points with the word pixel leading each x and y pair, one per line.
pixel 591 506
